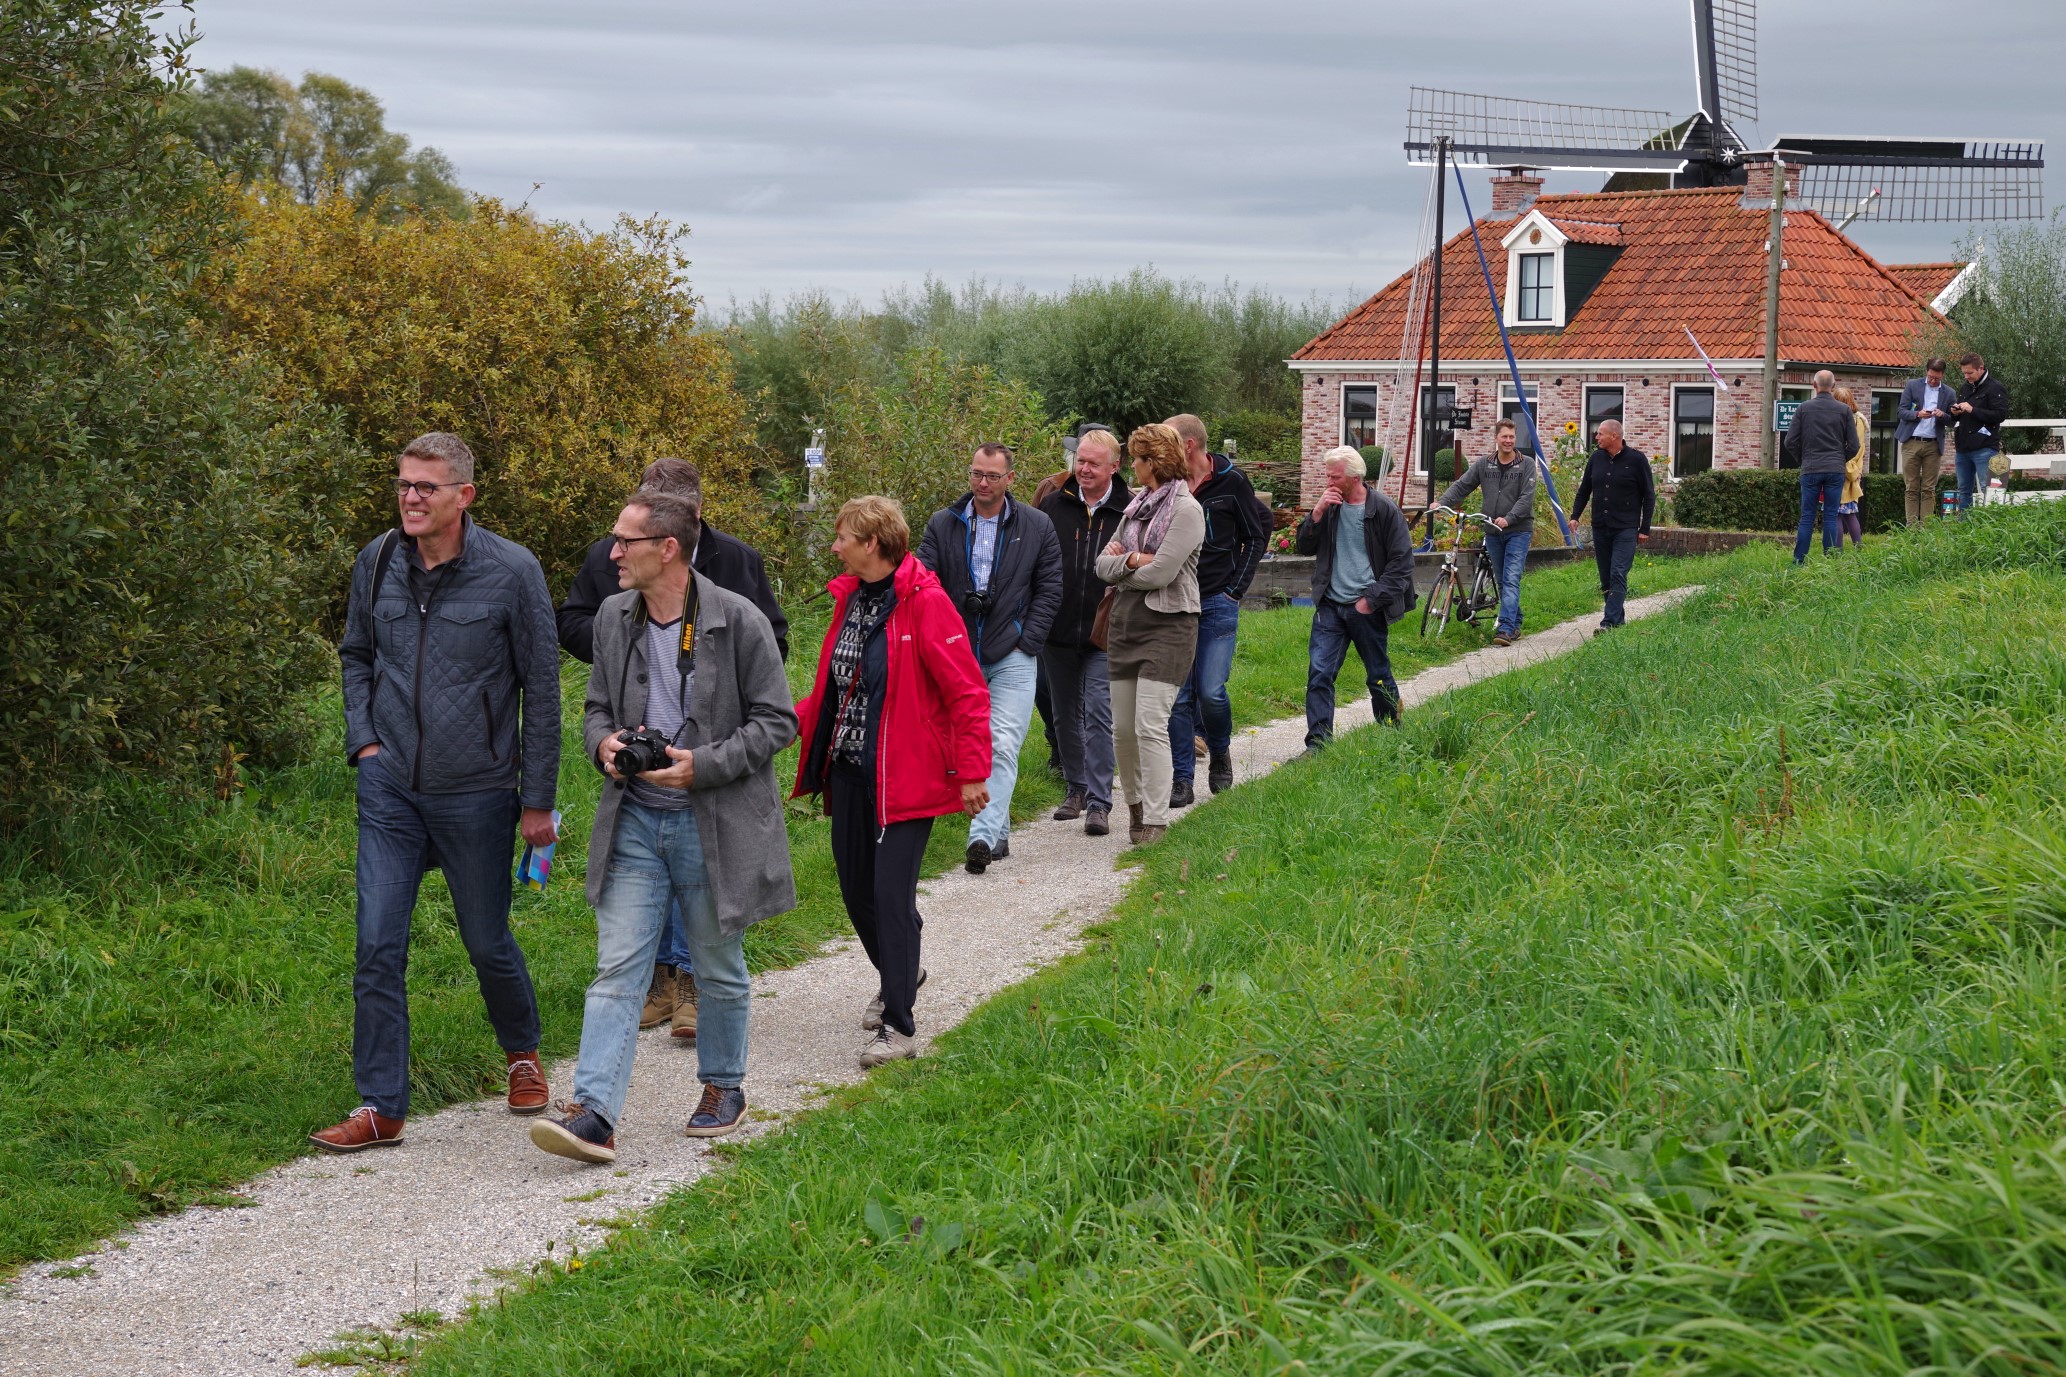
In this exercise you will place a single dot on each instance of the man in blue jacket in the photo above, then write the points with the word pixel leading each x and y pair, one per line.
pixel 1924 419
pixel 452 716
pixel 1979 411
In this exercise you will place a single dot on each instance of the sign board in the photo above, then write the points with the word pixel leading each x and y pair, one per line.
pixel 1460 418
pixel 1782 414
pixel 814 458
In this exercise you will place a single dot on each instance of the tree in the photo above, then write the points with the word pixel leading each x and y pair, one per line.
pixel 2015 317
pixel 1127 352
pixel 321 139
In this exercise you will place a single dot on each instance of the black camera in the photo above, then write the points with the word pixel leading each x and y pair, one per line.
pixel 977 604
pixel 642 750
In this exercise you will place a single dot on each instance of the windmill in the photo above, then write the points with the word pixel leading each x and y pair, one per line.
pixel 1883 178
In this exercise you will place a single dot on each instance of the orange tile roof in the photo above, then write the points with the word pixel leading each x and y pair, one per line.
pixel 1588 232
pixel 1926 280
pixel 1691 259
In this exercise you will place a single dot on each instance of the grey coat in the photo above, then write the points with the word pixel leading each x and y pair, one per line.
pixel 740 715
pixel 1509 489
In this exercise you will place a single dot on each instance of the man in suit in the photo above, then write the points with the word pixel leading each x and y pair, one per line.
pixel 1925 416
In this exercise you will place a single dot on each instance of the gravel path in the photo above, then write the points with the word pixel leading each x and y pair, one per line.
pixel 344 1243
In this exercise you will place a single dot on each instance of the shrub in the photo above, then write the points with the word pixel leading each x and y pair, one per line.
pixel 1770 499
pixel 1127 352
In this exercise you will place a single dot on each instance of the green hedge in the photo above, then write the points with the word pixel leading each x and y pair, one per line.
pixel 1770 499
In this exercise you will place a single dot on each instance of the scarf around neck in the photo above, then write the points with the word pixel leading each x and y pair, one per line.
pixel 1147 518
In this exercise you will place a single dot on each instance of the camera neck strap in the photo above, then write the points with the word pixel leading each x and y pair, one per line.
pixel 685 652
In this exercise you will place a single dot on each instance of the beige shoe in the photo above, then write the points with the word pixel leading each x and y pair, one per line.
pixel 659 998
pixel 887 1045
pixel 685 1007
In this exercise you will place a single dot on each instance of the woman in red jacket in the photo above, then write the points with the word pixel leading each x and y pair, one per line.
pixel 896 732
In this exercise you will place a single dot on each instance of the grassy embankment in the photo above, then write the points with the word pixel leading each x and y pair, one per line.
pixel 175 988
pixel 1693 1004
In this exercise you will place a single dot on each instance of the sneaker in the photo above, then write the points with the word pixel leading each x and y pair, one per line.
pixel 1180 795
pixel 659 998
pixel 1072 807
pixel 718 1113
pixel 871 1016
pixel 1219 772
pixel 366 1128
pixel 888 1045
pixel 682 1025
pixel 527 1093
pixel 1097 822
pixel 978 857
pixel 578 1132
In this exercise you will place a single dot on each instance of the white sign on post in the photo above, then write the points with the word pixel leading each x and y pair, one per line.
pixel 814 458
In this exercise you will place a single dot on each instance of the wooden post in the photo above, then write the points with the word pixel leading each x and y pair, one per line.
pixel 1768 450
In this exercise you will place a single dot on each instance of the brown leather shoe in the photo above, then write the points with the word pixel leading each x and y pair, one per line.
pixel 366 1128
pixel 685 1007
pixel 659 998
pixel 527 1093
pixel 1134 812
pixel 1150 834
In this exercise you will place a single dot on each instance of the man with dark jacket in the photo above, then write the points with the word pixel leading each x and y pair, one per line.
pixel 1821 440
pixel 1924 421
pixel 1618 483
pixel 1508 479
pixel 452 716
pixel 1042 700
pixel 1237 531
pixel 1362 583
pixel 1980 409
pixel 1085 509
pixel 1000 563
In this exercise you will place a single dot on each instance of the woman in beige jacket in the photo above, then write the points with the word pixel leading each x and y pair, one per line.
pixel 1153 569
pixel 1850 516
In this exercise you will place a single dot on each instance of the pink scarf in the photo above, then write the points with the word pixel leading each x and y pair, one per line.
pixel 1147 517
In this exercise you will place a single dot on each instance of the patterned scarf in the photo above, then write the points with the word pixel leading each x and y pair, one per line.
pixel 1147 518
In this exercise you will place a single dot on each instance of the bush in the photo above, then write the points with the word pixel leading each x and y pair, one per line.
pixel 1126 352
pixel 1770 499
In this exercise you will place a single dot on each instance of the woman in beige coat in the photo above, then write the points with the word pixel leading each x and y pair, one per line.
pixel 1850 515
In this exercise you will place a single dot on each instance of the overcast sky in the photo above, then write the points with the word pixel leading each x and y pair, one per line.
pixel 856 147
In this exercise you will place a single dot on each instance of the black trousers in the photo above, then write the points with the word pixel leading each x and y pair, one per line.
pixel 878 878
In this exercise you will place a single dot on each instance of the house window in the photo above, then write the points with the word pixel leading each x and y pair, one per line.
pixel 1601 404
pixel 1538 300
pixel 1692 431
pixel 1359 416
pixel 1434 411
pixel 1886 415
pixel 1510 409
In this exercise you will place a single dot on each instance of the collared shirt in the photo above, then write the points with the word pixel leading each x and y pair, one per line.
pixel 1090 508
pixel 983 548
pixel 1926 428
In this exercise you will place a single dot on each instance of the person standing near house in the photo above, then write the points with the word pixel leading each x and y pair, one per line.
pixel 1849 515
pixel 999 562
pixel 1507 478
pixel 1821 440
pixel 1617 482
pixel 1362 583
pixel 1237 531
pixel 1980 409
pixel 1085 511
pixel 452 716
pixel 1924 417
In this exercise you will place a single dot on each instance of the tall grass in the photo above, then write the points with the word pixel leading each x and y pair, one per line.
pixel 1691 1005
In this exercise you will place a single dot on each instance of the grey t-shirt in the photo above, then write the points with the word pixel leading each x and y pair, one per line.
pixel 667 699
pixel 1351 573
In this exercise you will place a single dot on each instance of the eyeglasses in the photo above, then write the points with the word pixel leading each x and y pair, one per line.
pixel 978 476
pixel 628 541
pixel 426 491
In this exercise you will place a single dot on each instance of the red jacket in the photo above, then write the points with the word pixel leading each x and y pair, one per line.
pixel 935 719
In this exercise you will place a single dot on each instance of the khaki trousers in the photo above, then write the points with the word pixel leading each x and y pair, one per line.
pixel 1140 745
pixel 1921 462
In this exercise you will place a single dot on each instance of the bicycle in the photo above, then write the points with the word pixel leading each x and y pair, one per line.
pixel 1447 598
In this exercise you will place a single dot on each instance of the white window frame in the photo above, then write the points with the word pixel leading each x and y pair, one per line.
pixel 1534 394
pixel 1546 292
pixel 1549 240
pixel 1714 421
pixel 1376 411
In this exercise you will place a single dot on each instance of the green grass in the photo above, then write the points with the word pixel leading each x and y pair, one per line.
pixel 175 982
pixel 1692 1004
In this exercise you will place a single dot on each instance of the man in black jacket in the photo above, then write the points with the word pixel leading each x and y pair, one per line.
pixel 1237 531
pixel 1980 409
pixel 1821 441
pixel 1362 583
pixel 1085 509
pixel 999 560
pixel 1617 481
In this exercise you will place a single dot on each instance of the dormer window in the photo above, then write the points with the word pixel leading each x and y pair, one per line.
pixel 1538 298
pixel 1552 266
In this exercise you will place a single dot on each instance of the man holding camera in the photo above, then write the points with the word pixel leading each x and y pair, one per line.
pixel 1979 412
pixel 1000 562
pixel 687 707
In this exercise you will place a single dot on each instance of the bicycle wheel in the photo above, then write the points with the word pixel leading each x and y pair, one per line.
pixel 1436 609
pixel 1484 592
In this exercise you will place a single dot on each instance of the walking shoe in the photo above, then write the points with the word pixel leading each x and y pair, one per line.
pixel 579 1132
pixel 1501 638
pixel 1072 807
pixel 684 1020
pixel 527 1093
pixel 366 1128
pixel 1180 795
pixel 978 857
pixel 1151 834
pixel 871 1016
pixel 1001 851
pixel 1219 772
pixel 1133 822
pixel 659 997
pixel 1097 822
pixel 718 1113
pixel 888 1045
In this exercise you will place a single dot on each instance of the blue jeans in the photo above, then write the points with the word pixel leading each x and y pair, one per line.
pixel 1509 553
pixel 674 943
pixel 1614 552
pixel 656 861
pixel 472 838
pixel 1972 473
pixel 1201 700
pixel 1011 682
pixel 1336 626
pixel 1083 720
pixel 1825 490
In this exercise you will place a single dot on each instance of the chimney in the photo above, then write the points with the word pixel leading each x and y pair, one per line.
pixel 1757 191
pixel 1514 190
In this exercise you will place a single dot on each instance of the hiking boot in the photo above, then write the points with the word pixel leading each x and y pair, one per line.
pixel 366 1128
pixel 1072 807
pixel 578 1132
pixel 659 997
pixel 718 1113
pixel 871 1016
pixel 1501 638
pixel 1151 834
pixel 1133 822
pixel 1219 772
pixel 527 1093
pixel 1180 795
pixel 888 1045
pixel 684 1019
pixel 978 857
pixel 1097 822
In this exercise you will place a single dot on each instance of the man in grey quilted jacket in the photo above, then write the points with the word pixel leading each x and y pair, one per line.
pixel 452 717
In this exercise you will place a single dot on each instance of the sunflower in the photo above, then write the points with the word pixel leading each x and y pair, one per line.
pixel 1570 427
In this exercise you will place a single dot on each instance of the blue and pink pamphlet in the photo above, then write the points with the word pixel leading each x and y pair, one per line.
pixel 534 867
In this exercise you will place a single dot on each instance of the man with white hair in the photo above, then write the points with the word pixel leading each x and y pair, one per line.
pixel 1085 509
pixel 1821 440
pixel 1362 583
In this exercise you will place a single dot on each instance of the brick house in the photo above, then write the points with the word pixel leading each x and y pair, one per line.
pixel 1598 291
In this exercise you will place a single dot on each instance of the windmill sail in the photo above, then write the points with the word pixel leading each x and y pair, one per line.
pixel 1495 130
pixel 1919 179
